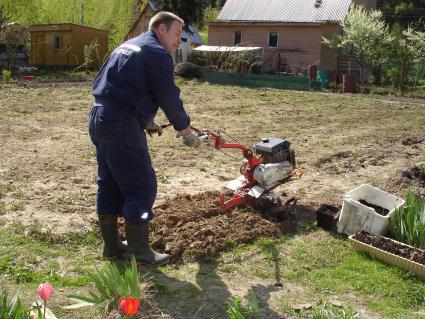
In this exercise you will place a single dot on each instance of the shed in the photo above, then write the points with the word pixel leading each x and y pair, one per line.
pixel 63 44
pixel 290 31
pixel 190 37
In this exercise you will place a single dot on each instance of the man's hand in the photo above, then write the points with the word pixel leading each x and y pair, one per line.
pixel 152 128
pixel 189 137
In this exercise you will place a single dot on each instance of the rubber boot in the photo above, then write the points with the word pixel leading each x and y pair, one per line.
pixel 138 245
pixel 113 247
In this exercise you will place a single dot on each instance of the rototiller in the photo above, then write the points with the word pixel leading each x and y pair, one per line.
pixel 269 164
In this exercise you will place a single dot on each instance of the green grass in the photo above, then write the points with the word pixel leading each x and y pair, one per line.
pixel 327 266
pixel 36 256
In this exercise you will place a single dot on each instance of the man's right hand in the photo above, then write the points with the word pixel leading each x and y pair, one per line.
pixel 189 137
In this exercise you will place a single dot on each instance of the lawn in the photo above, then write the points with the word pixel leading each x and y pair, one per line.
pixel 47 192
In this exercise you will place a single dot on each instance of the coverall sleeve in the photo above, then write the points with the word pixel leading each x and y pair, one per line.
pixel 164 91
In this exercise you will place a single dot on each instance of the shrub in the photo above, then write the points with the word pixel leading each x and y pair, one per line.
pixel 408 224
pixel 7 76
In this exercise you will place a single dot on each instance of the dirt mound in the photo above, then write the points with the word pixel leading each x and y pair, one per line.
pixel 188 70
pixel 412 178
pixel 344 162
pixel 193 227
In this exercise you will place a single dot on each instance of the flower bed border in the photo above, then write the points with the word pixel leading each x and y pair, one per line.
pixel 389 258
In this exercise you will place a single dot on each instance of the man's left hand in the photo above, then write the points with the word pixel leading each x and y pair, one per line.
pixel 152 128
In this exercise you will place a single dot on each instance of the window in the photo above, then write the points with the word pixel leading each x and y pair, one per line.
pixel 237 38
pixel 58 42
pixel 273 39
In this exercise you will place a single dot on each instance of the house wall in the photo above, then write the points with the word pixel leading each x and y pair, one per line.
pixel 299 44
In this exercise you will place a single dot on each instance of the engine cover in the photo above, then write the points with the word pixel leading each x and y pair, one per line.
pixel 273 150
pixel 268 174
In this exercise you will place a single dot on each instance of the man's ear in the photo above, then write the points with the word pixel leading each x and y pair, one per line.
pixel 162 28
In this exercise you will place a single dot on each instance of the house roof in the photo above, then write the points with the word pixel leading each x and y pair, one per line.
pixel 60 27
pixel 189 33
pixel 307 11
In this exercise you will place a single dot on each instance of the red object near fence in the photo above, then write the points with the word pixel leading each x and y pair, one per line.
pixel 349 83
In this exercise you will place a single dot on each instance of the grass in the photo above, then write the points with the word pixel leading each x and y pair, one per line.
pixel 325 265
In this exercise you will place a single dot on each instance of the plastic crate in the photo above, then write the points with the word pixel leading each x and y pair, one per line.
pixel 356 216
pixel 327 217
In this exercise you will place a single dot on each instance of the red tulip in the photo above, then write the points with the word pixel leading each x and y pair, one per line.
pixel 45 291
pixel 129 306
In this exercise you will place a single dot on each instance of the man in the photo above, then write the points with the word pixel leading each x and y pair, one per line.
pixel 132 84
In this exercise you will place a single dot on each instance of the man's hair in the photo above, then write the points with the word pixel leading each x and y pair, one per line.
pixel 164 17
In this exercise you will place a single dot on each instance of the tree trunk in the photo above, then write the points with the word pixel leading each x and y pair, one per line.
pixel 377 74
pixel 402 76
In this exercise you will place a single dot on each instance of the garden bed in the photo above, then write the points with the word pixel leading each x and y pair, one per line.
pixel 391 252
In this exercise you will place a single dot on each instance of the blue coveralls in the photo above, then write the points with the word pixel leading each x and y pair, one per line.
pixel 135 80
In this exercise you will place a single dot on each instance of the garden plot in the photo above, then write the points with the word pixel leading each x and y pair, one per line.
pixel 47 163
pixel 48 178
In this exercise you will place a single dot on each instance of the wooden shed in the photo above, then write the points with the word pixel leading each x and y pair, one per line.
pixel 63 44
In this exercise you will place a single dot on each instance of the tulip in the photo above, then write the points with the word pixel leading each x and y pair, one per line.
pixel 129 306
pixel 45 291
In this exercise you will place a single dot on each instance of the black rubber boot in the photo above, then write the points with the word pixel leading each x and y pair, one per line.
pixel 113 247
pixel 138 245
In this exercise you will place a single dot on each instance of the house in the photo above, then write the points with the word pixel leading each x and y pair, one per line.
pixel 64 44
pixel 290 31
pixel 190 37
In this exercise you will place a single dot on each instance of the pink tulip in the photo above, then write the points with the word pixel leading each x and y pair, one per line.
pixel 45 291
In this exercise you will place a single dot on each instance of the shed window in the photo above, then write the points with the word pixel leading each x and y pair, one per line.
pixel 58 42
pixel 237 38
pixel 273 35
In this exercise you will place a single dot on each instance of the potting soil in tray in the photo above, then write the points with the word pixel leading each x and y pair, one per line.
pixel 391 246
pixel 380 210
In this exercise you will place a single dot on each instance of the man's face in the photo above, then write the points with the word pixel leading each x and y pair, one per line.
pixel 171 38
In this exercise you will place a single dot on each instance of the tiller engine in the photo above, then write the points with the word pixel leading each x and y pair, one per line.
pixel 269 164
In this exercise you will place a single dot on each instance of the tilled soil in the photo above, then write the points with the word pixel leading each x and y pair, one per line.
pixel 192 227
pixel 391 246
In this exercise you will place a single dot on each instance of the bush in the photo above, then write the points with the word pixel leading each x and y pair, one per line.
pixel 7 76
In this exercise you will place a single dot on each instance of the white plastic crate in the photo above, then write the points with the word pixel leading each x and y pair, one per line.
pixel 356 217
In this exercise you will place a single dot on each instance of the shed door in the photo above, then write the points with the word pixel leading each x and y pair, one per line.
pixel 39 49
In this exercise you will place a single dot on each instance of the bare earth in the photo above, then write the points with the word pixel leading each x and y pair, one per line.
pixel 48 167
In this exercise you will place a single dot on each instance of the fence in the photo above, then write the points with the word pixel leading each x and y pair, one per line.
pixel 300 83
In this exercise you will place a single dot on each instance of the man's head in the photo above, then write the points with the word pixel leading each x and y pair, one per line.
pixel 168 28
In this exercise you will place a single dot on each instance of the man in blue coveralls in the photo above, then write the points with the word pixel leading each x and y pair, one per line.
pixel 132 84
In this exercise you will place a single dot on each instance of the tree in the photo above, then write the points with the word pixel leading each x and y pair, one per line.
pixel 402 12
pixel 409 48
pixel 366 35
pixel 191 11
